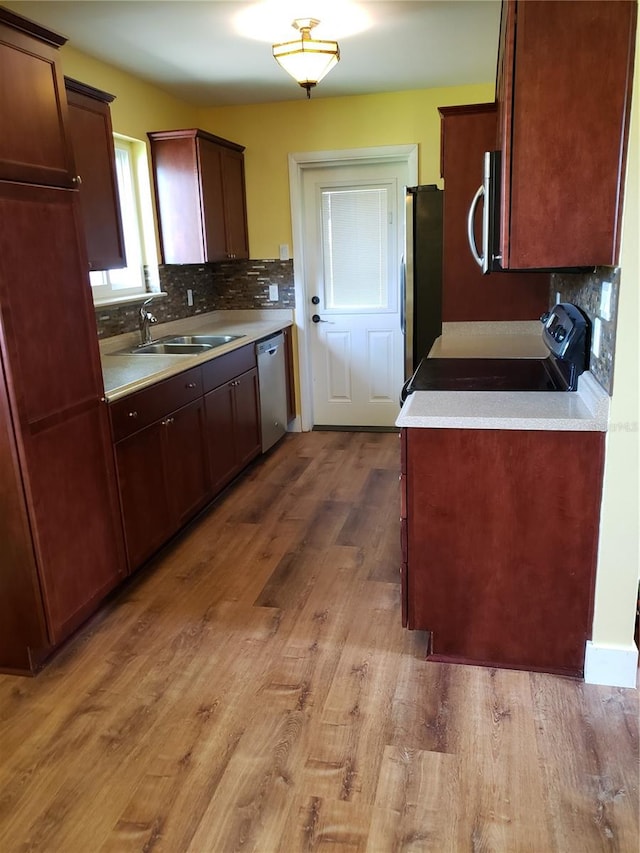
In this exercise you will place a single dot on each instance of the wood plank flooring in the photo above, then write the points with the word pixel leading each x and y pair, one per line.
pixel 253 690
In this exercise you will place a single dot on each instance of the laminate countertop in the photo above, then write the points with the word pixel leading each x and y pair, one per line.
pixel 124 373
pixel 586 409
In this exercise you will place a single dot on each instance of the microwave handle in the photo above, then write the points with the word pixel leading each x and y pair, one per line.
pixel 470 228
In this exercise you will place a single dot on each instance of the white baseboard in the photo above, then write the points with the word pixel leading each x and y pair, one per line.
pixel 614 666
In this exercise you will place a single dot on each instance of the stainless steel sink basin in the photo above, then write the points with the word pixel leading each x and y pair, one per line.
pixel 209 340
pixel 169 348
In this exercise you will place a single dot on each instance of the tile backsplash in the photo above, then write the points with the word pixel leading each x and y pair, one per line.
pixel 232 285
pixel 584 290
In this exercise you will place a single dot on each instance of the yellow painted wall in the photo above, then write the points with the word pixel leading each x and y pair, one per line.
pixel 619 555
pixel 271 132
pixel 139 106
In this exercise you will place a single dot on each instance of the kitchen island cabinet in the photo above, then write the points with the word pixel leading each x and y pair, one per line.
pixel 161 459
pixel 499 538
pixel 200 196
pixel 93 149
pixel 564 95
pixel 468 295
pixel 61 543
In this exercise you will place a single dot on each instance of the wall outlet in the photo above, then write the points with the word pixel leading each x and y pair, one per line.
pixel 284 251
pixel 273 292
pixel 596 336
pixel 557 296
pixel 605 300
pixel 189 297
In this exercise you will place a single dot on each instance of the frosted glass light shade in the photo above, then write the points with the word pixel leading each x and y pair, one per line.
pixel 307 60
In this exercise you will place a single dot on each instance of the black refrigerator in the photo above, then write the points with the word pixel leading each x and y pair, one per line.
pixel 421 308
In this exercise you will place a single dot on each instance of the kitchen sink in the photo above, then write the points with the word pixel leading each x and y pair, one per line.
pixel 169 348
pixel 209 340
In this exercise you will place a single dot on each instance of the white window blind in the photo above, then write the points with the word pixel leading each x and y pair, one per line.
pixel 355 237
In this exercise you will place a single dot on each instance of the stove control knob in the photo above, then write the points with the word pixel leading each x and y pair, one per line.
pixel 545 317
pixel 560 334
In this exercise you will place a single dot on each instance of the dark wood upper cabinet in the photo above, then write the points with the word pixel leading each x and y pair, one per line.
pixel 468 295
pixel 200 196
pixel 34 141
pixel 564 92
pixel 92 138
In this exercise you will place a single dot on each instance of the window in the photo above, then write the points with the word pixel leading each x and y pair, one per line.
pixel 135 207
pixel 355 248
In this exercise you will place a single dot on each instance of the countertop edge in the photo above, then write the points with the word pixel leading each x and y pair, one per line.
pixel 155 368
pixel 584 410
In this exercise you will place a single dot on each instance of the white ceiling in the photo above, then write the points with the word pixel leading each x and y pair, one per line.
pixel 202 53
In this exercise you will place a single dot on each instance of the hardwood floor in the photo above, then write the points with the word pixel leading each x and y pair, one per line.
pixel 254 690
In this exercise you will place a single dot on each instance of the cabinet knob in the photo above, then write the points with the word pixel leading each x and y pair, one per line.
pixel 190 385
pixel 77 180
pixel 133 414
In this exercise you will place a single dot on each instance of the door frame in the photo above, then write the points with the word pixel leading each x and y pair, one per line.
pixel 299 162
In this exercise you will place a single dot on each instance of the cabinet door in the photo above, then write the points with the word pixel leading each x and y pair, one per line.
pixel 92 137
pixel 235 207
pixel 177 193
pixel 220 437
pixel 186 461
pixel 146 512
pixel 467 294
pixel 212 190
pixel 47 315
pixel 70 482
pixel 22 620
pixel 568 129
pixel 34 141
pixel 246 410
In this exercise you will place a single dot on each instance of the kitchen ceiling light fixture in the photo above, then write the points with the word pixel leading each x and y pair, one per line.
pixel 307 60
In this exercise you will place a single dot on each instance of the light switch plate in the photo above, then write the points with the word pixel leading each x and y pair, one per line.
pixel 595 339
pixel 284 251
pixel 273 292
pixel 605 300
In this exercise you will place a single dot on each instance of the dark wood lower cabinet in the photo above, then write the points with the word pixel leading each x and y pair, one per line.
pixel 162 471
pixel 233 427
pixel 177 447
pixel 501 544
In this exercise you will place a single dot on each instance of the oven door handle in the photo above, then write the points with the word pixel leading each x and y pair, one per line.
pixel 471 230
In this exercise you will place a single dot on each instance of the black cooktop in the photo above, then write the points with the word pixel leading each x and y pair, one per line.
pixel 486 374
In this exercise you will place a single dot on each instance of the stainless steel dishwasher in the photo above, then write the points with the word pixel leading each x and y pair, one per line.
pixel 273 389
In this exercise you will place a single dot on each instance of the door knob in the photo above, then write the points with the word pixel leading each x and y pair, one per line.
pixel 318 319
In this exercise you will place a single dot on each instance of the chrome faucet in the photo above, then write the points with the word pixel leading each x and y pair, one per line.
pixel 145 320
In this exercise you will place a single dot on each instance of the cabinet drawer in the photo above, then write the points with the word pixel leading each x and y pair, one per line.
pixel 138 410
pixel 226 367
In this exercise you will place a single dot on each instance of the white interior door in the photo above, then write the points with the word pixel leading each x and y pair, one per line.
pixel 352 231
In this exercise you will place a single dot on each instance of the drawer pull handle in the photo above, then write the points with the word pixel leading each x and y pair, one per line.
pixel 133 414
pixel 167 421
pixel 191 385
pixel 77 180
